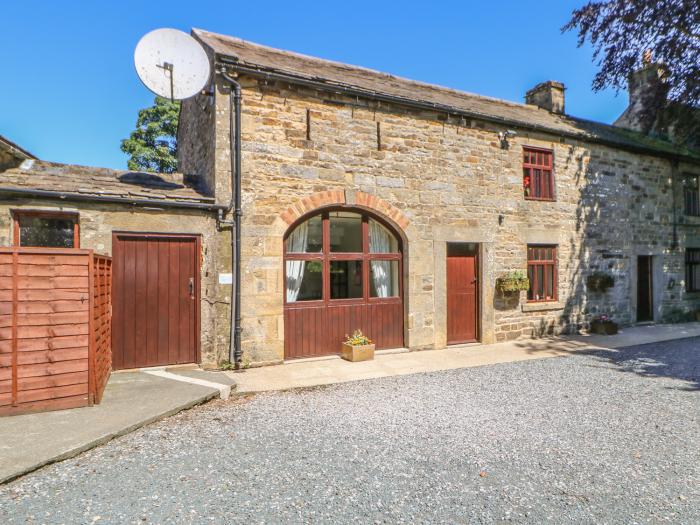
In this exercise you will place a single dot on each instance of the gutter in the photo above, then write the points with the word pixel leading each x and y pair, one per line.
pixel 235 351
pixel 433 106
pixel 61 195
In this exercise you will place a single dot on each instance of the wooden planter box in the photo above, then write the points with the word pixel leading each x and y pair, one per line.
pixel 357 353
pixel 604 327
pixel 55 328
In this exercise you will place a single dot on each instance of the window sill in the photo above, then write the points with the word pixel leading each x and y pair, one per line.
pixel 539 199
pixel 542 307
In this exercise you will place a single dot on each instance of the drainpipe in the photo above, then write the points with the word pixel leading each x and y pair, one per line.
pixel 235 352
pixel 674 181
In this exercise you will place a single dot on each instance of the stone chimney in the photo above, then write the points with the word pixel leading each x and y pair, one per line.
pixel 647 96
pixel 547 95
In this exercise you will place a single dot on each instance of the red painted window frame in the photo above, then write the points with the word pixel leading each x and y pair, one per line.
pixel 540 159
pixel 549 265
pixel 691 195
pixel 74 216
pixel 326 256
pixel 692 260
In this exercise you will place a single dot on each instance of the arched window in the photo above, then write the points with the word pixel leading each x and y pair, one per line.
pixel 342 256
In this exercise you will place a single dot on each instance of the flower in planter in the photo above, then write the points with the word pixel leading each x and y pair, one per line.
pixel 357 339
pixel 602 318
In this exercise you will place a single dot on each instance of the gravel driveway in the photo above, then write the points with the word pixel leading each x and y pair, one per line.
pixel 599 438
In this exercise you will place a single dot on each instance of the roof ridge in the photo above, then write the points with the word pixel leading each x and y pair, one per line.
pixel 385 74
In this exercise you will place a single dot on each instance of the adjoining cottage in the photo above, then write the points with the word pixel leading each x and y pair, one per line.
pixel 374 202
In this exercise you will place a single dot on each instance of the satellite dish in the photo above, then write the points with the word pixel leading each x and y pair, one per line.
pixel 172 64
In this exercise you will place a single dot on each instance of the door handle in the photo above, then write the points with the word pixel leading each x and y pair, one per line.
pixel 191 284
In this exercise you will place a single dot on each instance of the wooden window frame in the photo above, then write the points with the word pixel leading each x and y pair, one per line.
pixel 544 162
pixel 552 263
pixel 325 256
pixel 74 216
pixel 692 260
pixel 691 195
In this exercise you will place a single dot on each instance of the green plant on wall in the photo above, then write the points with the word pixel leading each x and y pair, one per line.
pixel 513 281
pixel 600 281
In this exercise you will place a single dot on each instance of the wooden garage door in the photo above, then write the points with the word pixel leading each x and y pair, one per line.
pixel 155 318
pixel 462 294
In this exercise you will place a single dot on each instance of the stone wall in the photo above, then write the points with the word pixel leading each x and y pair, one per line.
pixel 98 221
pixel 453 182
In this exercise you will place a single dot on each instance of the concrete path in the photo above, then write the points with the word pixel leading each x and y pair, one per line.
pixel 329 370
pixel 131 400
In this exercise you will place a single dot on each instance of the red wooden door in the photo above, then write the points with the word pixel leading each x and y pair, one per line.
pixel 155 316
pixel 462 295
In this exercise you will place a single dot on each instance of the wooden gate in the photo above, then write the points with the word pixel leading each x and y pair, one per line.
pixel 462 294
pixel 156 299
pixel 55 328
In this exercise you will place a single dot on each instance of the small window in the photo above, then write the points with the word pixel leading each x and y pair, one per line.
pixel 692 269
pixel 542 272
pixel 691 195
pixel 46 229
pixel 538 177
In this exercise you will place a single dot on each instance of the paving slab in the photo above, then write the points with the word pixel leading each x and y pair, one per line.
pixel 316 372
pixel 131 400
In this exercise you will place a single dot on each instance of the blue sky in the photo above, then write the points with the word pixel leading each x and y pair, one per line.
pixel 69 92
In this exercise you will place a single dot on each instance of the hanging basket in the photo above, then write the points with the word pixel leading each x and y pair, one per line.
pixel 512 282
pixel 600 282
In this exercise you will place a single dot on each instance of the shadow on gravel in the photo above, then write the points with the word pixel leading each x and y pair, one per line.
pixel 677 359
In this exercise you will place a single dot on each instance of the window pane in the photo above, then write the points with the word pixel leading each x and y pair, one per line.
pixel 307 237
pixel 550 282
pixel 304 281
pixel 51 232
pixel 381 240
pixel 531 276
pixel 346 279
pixel 346 232
pixel 384 279
pixel 539 292
pixel 527 181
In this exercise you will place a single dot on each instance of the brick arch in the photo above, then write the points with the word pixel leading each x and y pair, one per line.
pixel 360 199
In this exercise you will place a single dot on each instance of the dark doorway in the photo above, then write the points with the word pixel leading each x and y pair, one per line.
pixel 645 302
pixel 155 317
pixel 462 292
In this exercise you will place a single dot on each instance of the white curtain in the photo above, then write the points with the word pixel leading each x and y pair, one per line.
pixel 380 242
pixel 296 243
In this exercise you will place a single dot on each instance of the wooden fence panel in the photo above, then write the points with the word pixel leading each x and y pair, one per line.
pixel 102 323
pixel 55 311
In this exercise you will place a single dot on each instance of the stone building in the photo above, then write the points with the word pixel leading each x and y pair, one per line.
pixel 377 203
pixel 468 188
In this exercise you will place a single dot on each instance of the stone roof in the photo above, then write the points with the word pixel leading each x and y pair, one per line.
pixel 86 182
pixel 373 83
pixel 14 149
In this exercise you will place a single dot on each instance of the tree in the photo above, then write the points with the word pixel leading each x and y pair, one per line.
pixel 621 31
pixel 152 146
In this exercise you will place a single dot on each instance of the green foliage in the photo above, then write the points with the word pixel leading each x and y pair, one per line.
pixel 152 146
pixel 357 339
pixel 600 281
pixel 226 365
pixel 514 281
